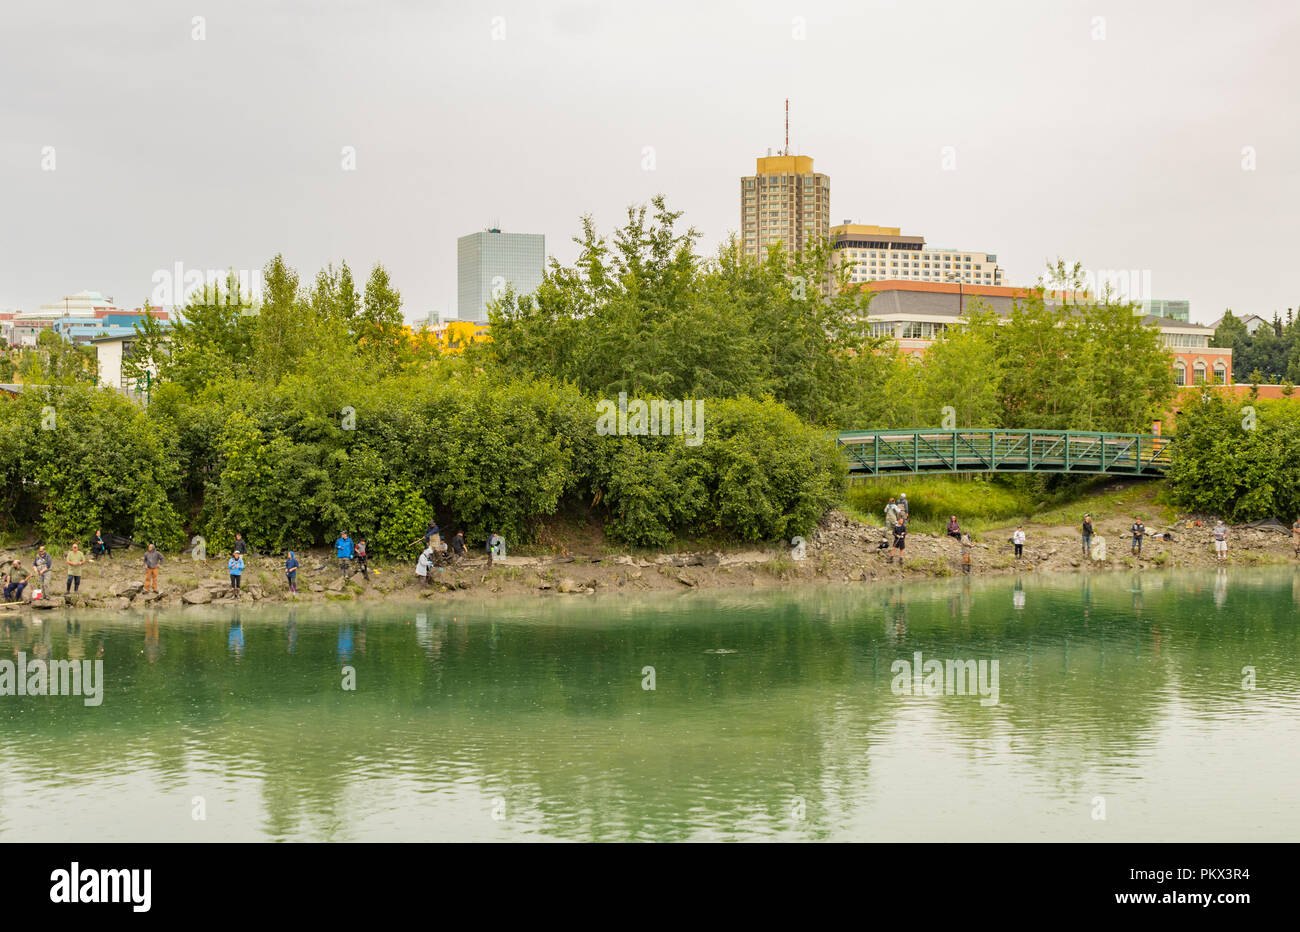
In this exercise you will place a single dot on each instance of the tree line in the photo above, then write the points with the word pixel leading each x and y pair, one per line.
pixel 316 409
pixel 1271 354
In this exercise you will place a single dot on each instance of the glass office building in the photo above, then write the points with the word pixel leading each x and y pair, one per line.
pixel 488 262
pixel 1174 310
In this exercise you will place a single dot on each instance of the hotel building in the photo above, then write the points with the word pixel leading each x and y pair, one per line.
pixel 874 253
pixel 783 201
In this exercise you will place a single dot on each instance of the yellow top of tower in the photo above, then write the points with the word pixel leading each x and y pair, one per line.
pixel 784 165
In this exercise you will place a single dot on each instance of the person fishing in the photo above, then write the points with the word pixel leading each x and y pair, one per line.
pixel 236 567
pixel 966 547
pixel 1139 531
pixel 900 539
pixel 1087 534
pixel 75 559
pixel 291 571
pixel 44 566
pixel 343 550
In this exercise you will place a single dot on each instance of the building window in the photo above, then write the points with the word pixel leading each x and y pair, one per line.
pixel 1198 373
pixel 1180 374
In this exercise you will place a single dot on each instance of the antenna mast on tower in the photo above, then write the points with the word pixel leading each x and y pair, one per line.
pixel 787 126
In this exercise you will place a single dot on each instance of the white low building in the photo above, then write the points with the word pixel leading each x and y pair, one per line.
pixel 110 354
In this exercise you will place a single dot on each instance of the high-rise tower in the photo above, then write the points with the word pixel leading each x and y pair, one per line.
pixel 784 200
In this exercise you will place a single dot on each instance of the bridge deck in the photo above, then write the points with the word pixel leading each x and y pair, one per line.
pixel 878 452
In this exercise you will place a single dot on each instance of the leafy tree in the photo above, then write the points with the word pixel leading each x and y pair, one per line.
pixel 284 322
pixel 55 361
pixel 641 313
pixel 1241 468
pixel 380 326
pixel 960 371
pixel 211 339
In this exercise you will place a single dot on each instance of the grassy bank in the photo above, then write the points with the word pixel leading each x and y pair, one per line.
pixel 981 503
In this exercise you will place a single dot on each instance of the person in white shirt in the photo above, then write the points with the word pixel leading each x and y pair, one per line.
pixel 422 565
pixel 1018 539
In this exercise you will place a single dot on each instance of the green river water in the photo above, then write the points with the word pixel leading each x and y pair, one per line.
pixel 1122 714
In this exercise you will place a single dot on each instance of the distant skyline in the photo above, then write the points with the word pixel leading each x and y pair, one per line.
pixel 1152 136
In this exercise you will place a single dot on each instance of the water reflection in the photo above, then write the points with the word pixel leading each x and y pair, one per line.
pixel 1124 686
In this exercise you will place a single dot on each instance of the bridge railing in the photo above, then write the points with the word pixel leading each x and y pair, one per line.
pixel 994 450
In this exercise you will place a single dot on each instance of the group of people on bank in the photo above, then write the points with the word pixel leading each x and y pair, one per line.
pixel 896 517
pixel 351 554
pixel 16 577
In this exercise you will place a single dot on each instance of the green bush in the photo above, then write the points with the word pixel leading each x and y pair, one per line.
pixel 758 473
pixel 1239 463
pixel 75 459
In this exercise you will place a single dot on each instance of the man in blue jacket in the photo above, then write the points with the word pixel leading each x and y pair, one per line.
pixel 343 550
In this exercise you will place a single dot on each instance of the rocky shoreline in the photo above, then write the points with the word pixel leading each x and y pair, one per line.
pixel 841 549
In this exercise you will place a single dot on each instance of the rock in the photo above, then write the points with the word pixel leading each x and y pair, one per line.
pixel 46 604
pixel 197 597
pixel 316 587
pixel 686 580
pixel 337 585
pixel 151 597
pixel 567 584
pixel 543 584
pixel 119 603
pixel 126 590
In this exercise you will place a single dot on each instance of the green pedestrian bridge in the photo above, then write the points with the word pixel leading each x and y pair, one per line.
pixel 885 452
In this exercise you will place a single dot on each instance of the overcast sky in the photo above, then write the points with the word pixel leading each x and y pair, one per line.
pixel 1121 152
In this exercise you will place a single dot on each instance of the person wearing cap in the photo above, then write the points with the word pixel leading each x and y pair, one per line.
pixel 1087 533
